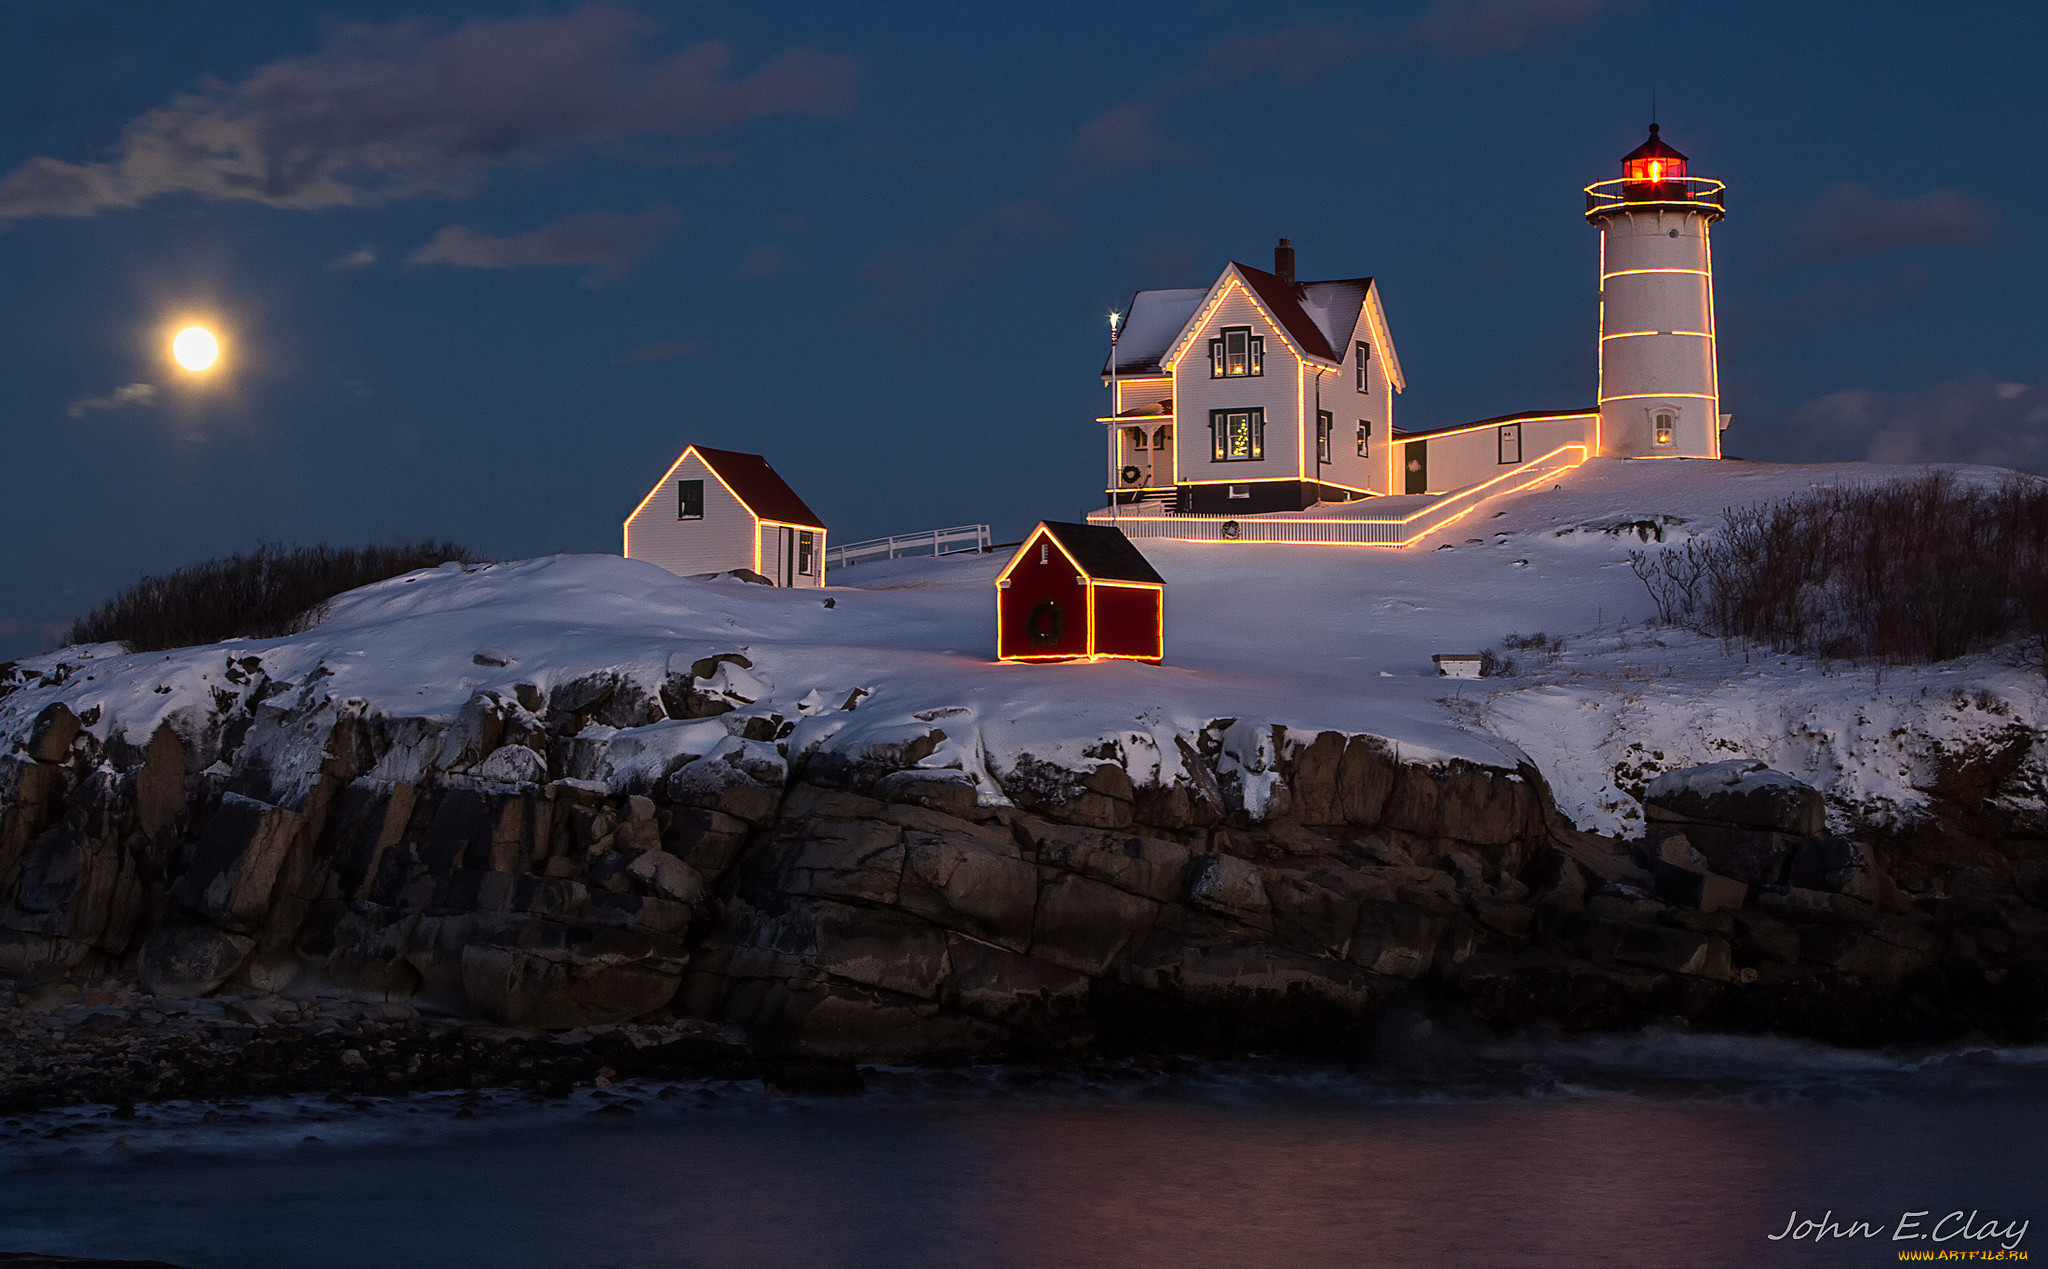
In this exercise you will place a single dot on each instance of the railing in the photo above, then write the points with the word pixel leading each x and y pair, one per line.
pixel 1676 191
pixel 1347 530
pixel 957 540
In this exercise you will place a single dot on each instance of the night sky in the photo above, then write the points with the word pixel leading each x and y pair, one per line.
pixel 483 269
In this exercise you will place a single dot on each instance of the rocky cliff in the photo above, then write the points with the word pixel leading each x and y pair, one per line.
pixel 600 851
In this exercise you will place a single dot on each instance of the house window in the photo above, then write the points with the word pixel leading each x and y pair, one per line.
pixel 1325 424
pixel 1511 443
pixel 1237 436
pixel 1134 438
pixel 689 500
pixel 1666 423
pixel 1363 356
pixel 1364 438
pixel 1238 491
pixel 1236 352
pixel 806 549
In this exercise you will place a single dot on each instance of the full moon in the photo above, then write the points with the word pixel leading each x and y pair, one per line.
pixel 195 348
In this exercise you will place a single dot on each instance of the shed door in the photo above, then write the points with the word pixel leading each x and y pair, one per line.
pixel 1415 458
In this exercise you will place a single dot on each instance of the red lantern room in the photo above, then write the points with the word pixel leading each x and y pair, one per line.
pixel 1653 171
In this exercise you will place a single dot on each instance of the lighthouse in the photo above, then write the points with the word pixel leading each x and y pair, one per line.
pixel 1660 394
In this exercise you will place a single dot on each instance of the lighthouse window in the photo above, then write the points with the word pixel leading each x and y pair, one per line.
pixel 1236 352
pixel 1237 436
pixel 1364 356
pixel 1325 424
pixel 1665 424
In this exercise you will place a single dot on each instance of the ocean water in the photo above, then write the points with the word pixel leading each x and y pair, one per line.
pixel 1668 1150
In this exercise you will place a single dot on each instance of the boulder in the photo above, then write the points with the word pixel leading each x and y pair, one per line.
pixel 952 792
pixel 1834 864
pixel 1743 793
pixel 968 883
pixel 1696 887
pixel 1229 887
pixel 184 956
pixel 1754 857
pixel 51 734
pixel 234 867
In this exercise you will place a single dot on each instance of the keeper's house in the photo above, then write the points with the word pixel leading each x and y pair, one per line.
pixel 1076 592
pixel 715 511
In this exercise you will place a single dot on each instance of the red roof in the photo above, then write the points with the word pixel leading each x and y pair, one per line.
pixel 1284 301
pixel 755 483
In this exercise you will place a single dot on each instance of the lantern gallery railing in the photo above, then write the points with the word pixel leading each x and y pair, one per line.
pixel 1672 191
pixel 1358 529
pixel 959 539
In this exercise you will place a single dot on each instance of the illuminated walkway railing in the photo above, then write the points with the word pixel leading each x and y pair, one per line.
pixel 1358 527
pixel 1675 191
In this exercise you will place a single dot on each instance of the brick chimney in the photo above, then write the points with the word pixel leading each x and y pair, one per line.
pixel 1283 261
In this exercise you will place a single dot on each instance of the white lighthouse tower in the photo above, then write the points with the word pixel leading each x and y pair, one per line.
pixel 1660 394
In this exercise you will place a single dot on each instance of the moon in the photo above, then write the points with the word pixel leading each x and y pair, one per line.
pixel 195 348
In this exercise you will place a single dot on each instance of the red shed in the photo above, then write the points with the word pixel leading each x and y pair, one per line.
pixel 1075 591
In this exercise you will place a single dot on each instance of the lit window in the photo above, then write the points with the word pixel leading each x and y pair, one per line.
pixel 1325 424
pixel 1511 443
pixel 1665 425
pixel 1363 356
pixel 806 547
pixel 1236 352
pixel 689 500
pixel 1237 436
pixel 1364 437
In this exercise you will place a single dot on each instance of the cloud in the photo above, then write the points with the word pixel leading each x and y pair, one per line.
pixel 764 260
pixel 1973 421
pixel 395 111
pixel 912 275
pixel 604 240
pixel 1850 221
pixel 667 351
pixel 361 258
pixel 134 394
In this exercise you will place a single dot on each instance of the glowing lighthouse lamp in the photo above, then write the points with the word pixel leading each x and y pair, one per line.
pixel 1660 394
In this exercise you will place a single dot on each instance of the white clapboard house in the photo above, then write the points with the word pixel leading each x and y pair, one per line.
pixel 1265 396
pixel 715 511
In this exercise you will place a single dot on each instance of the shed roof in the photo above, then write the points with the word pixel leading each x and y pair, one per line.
pixel 755 483
pixel 1102 551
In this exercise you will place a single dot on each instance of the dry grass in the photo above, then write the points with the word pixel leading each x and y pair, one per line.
pixel 270 591
pixel 1902 573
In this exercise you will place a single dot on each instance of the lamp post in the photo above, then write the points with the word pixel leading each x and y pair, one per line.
pixel 1115 324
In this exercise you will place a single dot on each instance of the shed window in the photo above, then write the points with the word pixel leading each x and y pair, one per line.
pixel 1511 443
pixel 1237 436
pixel 1363 356
pixel 689 500
pixel 1236 352
pixel 806 553
pixel 1325 424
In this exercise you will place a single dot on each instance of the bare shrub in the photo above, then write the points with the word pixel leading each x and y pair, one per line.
pixel 1492 665
pixel 1900 573
pixel 270 591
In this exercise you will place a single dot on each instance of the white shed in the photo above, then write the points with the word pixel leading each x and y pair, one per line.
pixel 715 510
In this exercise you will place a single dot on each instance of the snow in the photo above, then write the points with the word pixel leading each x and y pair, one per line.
pixel 1257 636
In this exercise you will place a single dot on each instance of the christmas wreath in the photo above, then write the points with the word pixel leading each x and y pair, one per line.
pixel 1046 623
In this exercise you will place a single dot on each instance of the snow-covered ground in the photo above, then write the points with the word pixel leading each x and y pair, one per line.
pixel 1310 638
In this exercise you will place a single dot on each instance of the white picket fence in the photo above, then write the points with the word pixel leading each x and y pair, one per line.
pixel 956 540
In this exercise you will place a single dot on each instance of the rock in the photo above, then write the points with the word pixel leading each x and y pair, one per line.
pixel 1485 806
pixel 1519 989
pixel 967 883
pixel 235 865
pixel 184 956
pixel 1514 920
pixel 1674 951
pixel 51 734
pixel 1395 939
pixel 705 839
pixel 1230 887
pixel 668 876
pixel 1697 888
pixel 160 784
pixel 952 792
pixel 1743 793
pixel 1082 924
pixel 512 764
pixel 1834 864
pixel 856 860
pixel 1800 904
pixel 1147 866
pixel 1760 936
pixel 1753 857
